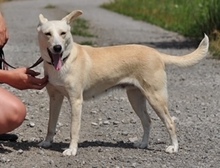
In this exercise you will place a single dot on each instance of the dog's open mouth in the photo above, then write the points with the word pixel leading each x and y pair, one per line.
pixel 56 59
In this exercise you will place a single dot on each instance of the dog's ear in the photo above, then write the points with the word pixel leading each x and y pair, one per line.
pixel 42 19
pixel 72 16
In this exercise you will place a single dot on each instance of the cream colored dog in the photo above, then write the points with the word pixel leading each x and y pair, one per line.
pixel 81 72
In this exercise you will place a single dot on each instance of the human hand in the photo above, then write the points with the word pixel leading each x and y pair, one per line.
pixel 3 32
pixel 24 78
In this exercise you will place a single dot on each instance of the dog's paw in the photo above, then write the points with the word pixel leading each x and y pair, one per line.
pixel 70 152
pixel 175 119
pixel 140 145
pixel 45 144
pixel 171 149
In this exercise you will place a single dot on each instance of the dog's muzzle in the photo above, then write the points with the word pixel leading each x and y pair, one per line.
pixel 56 57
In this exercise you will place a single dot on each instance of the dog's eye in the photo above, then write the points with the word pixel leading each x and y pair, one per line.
pixel 63 33
pixel 48 34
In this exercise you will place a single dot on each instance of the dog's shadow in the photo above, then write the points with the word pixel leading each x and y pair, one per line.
pixel 8 147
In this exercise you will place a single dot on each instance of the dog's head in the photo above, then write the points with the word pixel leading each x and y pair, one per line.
pixel 55 38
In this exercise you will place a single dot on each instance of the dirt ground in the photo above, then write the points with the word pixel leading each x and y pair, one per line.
pixel 109 125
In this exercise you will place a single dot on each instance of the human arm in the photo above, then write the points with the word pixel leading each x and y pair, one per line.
pixel 23 78
pixel 3 31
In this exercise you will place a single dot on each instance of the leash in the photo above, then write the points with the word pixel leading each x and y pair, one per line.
pixel 4 64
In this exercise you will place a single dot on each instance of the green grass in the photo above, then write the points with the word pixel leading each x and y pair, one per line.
pixel 190 18
pixel 4 1
pixel 81 27
pixel 50 6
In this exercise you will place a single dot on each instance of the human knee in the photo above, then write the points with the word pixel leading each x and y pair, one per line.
pixel 18 113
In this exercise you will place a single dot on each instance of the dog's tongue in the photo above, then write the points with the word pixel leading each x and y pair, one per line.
pixel 57 61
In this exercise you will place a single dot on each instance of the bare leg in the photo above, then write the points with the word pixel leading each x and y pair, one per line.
pixel 138 103
pixel 12 111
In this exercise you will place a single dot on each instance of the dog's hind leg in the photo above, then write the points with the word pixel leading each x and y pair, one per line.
pixel 138 103
pixel 158 100
pixel 56 100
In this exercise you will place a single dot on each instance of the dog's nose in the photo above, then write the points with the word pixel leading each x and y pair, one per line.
pixel 57 48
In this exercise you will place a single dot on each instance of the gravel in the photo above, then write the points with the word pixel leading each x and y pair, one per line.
pixel 109 125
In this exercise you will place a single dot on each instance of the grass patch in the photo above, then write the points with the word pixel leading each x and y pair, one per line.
pixel 4 1
pixel 80 27
pixel 50 6
pixel 215 44
pixel 190 18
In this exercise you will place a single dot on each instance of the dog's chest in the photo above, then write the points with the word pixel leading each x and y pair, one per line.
pixel 58 82
pixel 56 78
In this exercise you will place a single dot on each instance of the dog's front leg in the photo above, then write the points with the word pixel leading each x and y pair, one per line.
pixel 76 107
pixel 56 99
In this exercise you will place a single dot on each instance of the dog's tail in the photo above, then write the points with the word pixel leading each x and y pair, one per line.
pixel 189 59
